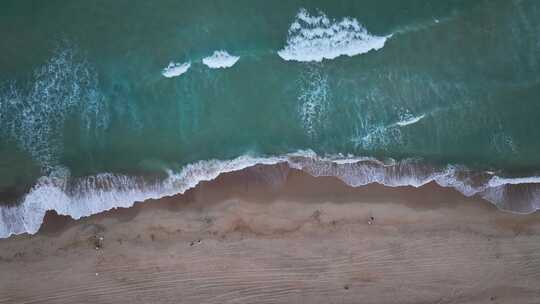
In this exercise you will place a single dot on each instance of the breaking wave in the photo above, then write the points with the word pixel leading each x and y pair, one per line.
pixel 79 197
pixel 175 69
pixel 220 59
pixel 316 37
pixel 409 120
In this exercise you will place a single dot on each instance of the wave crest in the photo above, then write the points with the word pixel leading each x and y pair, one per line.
pixel 316 37
pixel 220 59
pixel 175 69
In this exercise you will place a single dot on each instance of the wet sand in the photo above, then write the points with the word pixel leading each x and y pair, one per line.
pixel 276 235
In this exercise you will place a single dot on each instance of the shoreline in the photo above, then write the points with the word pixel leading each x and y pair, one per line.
pixel 252 237
pixel 84 196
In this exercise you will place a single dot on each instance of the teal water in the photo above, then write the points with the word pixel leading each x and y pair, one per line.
pixel 445 91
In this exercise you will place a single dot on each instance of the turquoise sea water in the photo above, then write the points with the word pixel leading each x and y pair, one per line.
pixel 103 103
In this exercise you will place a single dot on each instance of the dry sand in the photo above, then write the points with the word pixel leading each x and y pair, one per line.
pixel 274 235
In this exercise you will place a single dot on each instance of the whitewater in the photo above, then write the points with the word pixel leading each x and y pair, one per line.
pixel 94 194
pixel 317 37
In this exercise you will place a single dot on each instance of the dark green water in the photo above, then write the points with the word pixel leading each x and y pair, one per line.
pixel 85 107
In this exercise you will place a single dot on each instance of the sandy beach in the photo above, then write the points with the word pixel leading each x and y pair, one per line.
pixel 277 235
pixel 256 151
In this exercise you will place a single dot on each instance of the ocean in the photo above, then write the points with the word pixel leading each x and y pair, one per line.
pixel 105 103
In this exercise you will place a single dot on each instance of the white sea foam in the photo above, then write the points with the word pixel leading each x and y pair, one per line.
pixel 34 116
pixel 220 59
pixel 316 37
pixel 381 136
pixel 175 69
pixel 314 100
pixel 409 120
pixel 496 181
pixel 521 195
pixel 85 196
pixel 94 194
pixel 378 137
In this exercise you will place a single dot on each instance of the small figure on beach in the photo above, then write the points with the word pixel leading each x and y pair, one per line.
pixel 98 242
pixel 371 220
pixel 195 242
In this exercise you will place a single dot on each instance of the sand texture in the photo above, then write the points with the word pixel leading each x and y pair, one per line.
pixel 248 238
